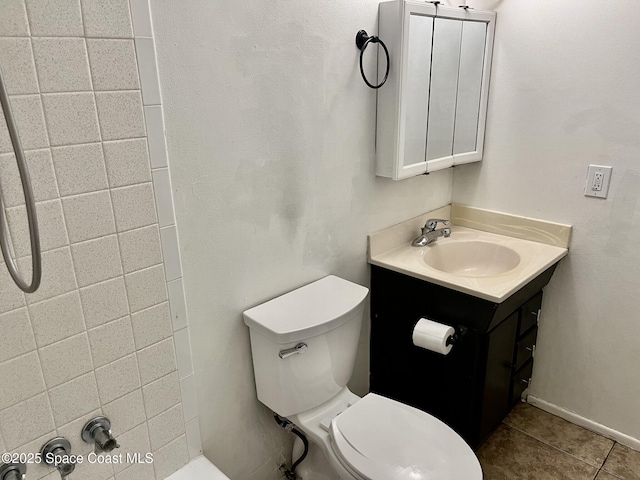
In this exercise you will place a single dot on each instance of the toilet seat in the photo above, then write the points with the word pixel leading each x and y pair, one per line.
pixel 381 439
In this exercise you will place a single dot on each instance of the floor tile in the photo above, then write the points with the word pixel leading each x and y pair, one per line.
pixel 623 462
pixel 511 455
pixel 602 475
pixel 557 432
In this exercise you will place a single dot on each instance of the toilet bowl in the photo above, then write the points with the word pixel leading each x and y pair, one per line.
pixel 304 345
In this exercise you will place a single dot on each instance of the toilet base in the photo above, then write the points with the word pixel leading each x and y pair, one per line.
pixel 315 466
pixel 321 459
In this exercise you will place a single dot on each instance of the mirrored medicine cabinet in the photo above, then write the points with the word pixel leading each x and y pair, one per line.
pixel 431 112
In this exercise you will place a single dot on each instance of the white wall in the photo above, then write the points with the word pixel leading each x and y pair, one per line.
pixel 271 136
pixel 565 93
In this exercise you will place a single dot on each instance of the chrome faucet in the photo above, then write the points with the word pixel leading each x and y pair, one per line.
pixel 430 234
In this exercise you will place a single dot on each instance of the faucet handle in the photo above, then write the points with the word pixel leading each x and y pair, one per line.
pixel 432 223
pixel 13 471
pixel 98 431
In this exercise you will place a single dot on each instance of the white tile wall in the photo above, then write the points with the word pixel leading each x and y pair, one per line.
pixel 107 19
pixel 89 216
pixel 164 199
pixel 71 118
pixel 80 168
pixel 103 55
pixel 97 260
pixel 57 318
pixel 166 426
pixel 55 18
pixel 151 325
pixel 127 162
pixel 111 341
pixel 171 253
pixel 155 133
pixel 62 64
pixel 121 114
pixel 135 440
pixel 50 221
pixel 65 360
pixel 140 248
pixel 156 361
pixel 194 442
pixel 27 110
pixel 145 46
pixel 26 420
pixel 161 394
pixel 16 58
pixel 118 378
pixel 141 16
pixel 104 301
pixel 41 172
pixel 74 398
pixel 17 336
pixel 146 288
pixel 98 336
pixel 126 412
pixel 134 206
pixel 170 457
pixel 14 19
pixel 177 303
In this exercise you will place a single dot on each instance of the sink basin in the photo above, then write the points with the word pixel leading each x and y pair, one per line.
pixel 481 262
pixel 471 258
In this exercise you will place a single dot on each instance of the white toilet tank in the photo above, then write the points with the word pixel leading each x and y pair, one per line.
pixel 325 316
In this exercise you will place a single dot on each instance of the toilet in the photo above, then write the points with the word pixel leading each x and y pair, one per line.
pixel 304 347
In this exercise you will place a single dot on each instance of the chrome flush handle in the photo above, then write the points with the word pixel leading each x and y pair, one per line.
pixel 298 349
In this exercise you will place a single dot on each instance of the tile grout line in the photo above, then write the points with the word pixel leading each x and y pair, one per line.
pixel 146 136
pixel 48 148
pixel 552 446
pixel 605 461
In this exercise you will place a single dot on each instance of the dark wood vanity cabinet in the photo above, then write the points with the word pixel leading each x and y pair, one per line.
pixel 476 384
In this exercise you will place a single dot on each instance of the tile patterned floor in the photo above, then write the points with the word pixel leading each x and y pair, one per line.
pixel 534 445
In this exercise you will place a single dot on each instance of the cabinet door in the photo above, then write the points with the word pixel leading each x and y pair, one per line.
pixel 497 387
pixel 473 88
pixel 447 36
pixel 416 94
pixel 469 88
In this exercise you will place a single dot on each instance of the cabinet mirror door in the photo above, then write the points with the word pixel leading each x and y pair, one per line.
pixel 469 90
pixel 447 36
pixel 416 87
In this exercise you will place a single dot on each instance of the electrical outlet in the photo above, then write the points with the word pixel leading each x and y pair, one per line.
pixel 598 178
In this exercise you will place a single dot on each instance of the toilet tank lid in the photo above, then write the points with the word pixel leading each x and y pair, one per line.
pixel 307 311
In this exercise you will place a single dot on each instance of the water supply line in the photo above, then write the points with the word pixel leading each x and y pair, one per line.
pixel 32 219
pixel 290 427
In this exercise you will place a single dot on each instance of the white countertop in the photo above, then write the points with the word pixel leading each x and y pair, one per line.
pixel 392 249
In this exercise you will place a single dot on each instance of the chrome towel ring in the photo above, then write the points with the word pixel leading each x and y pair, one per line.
pixel 36 256
pixel 362 41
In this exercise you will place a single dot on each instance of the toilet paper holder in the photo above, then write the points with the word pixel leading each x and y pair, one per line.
pixel 436 336
pixel 457 337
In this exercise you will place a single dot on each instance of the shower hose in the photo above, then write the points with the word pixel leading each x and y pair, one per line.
pixel 32 219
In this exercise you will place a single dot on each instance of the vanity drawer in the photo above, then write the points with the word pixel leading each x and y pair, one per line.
pixel 529 313
pixel 525 348
pixel 521 382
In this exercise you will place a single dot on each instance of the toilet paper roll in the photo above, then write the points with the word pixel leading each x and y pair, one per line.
pixel 432 336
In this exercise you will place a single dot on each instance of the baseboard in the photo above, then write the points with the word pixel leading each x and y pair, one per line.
pixel 572 417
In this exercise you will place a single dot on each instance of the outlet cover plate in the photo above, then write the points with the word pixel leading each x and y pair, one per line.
pixel 598 178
